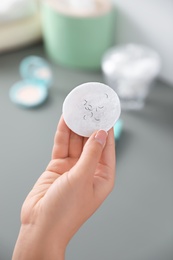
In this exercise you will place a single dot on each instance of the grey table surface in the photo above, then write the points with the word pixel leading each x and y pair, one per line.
pixel 136 220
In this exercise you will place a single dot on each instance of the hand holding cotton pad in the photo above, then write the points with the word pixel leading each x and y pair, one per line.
pixel 90 107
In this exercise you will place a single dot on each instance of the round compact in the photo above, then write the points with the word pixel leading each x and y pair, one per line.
pixel 36 68
pixel 91 106
pixel 28 93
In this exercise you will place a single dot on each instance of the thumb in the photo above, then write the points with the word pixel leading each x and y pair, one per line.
pixel 91 154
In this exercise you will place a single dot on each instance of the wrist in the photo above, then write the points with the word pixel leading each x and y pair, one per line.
pixel 34 244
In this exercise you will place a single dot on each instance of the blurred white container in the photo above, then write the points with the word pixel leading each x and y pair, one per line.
pixel 148 22
pixel 130 69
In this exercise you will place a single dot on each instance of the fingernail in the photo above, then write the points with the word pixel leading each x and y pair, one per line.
pixel 101 137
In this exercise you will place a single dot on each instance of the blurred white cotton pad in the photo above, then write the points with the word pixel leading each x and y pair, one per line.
pixel 90 107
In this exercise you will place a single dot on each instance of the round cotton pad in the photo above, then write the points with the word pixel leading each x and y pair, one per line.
pixel 90 107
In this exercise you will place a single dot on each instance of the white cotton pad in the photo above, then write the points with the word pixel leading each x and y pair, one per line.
pixel 91 106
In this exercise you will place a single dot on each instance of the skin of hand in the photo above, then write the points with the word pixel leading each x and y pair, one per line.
pixel 77 180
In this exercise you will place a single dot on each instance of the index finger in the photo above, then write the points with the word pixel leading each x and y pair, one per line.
pixel 61 140
pixel 108 157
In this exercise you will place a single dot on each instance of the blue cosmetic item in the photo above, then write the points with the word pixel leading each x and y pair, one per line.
pixel 36 68
pixel 118 127
pixel 28 93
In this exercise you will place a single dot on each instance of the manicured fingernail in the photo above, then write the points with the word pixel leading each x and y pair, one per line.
pixel 101 137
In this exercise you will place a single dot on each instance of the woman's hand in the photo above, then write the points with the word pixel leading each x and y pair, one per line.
pixel 77 180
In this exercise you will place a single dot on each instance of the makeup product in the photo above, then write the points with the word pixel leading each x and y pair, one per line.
pixel 36 68
pixel 28 93
pixel 118 127
pixel 77 33
pixel 91 106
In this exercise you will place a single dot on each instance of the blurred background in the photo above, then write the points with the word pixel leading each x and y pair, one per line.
pixel 46 49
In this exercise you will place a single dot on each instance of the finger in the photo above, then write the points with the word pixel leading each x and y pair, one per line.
pixel 108 157
pixel 60 166
pixel 91 154
pixel 85 140
pixel 76 145
pixel 108 160
pixel 61 141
